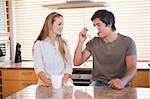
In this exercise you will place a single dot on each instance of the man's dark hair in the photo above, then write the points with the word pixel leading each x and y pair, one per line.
pixel 106 17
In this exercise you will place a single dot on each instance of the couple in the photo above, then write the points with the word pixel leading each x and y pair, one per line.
pixel 114 55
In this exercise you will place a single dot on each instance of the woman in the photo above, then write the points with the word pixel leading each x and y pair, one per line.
pixel 51 52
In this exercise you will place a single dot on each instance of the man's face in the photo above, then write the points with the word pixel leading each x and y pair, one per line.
pixel 103 30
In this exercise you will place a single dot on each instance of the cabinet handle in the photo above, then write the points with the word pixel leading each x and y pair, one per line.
pixel 79 75
pixel 25 83
pixel 26 73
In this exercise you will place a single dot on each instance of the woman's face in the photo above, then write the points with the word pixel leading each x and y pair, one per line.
pixel 58 25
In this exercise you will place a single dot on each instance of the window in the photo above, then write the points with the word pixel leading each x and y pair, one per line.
pixel 3 19
pixel 132 19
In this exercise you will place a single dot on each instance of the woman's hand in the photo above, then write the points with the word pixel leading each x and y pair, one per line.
pixel 45 79
pixel 65 79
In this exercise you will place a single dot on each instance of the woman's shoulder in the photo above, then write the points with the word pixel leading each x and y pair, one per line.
pixel 37 43
pixel 66 41
pixel 66 44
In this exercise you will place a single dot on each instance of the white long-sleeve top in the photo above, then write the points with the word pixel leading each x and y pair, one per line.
pixel 47 58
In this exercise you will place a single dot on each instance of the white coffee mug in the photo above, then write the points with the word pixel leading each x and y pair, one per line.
pixel 92 32
pixel 56 81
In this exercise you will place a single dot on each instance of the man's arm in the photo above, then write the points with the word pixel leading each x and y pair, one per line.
pixel 79 55
pixel 131 62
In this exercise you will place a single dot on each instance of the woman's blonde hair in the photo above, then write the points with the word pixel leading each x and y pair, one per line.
pixel 47 27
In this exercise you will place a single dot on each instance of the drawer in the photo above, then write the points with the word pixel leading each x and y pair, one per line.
pixel 82 76
pixel 81 79
pixel 19 74
pixel 11 87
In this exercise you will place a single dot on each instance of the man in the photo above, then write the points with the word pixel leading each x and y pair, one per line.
pixel 114 55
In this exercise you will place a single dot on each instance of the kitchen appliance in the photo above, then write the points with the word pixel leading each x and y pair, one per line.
pixel 18 53
pixel 4 49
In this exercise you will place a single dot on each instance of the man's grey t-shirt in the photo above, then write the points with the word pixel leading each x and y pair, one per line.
pixel 109 59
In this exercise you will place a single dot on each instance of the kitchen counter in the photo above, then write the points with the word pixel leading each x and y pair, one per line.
pixel 80 92
pixel 82 75
pixel 9 64
pixel 87 65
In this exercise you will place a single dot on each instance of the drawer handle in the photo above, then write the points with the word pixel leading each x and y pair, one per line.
pixel 79 75
pixel 26 84
pixel 26 73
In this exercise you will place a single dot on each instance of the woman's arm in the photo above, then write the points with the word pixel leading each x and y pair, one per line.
pixel 39 65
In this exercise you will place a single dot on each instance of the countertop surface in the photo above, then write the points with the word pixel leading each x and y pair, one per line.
pixel 80 92
pixel 30 64
pixel 9 64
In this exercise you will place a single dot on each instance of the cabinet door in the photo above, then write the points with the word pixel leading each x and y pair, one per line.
pixel 1 88
pixel 17 79
pixel 11 87
pixel 141 79
pixel 19 74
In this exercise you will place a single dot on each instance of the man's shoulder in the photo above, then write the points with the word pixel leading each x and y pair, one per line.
pixel 124 37
pixel 95 39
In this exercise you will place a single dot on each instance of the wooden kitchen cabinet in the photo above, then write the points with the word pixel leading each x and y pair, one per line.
pixel 0 84
pixel 10 87
pixel 83 76
pixel 19 74
pixel 15 79
pixel 141 79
